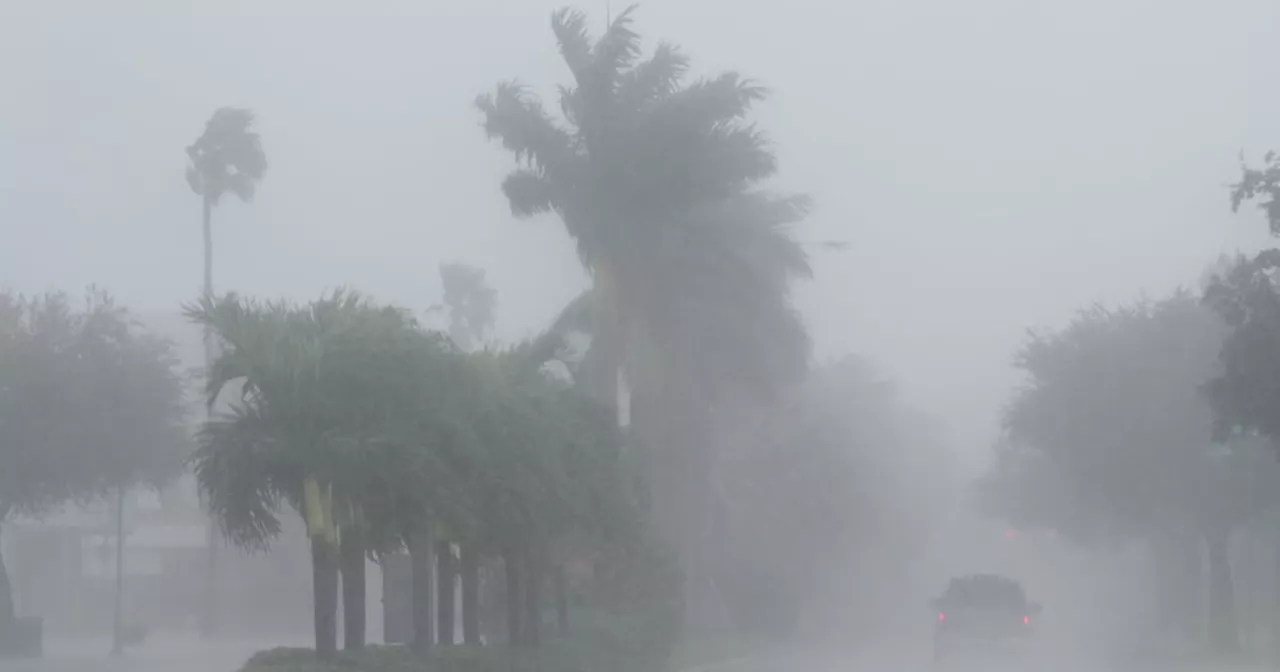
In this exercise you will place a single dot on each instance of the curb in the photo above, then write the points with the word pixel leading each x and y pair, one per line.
pixel 721 664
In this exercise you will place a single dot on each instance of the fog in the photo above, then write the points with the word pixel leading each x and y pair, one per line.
pixel 993 166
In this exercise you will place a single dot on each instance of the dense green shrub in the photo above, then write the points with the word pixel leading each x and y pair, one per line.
pixel 597 652
pixel 373 658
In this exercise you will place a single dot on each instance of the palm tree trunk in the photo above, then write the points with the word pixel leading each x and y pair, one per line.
pixel 1223 636
pixel 324 588
pixel 353 588
pixel 209 623
pixel 207 231
pixel 470 571
pixel 532 600
pixel 7 612
pixel 562 600
pixel 420 563
pixel 515 595
pixel 1275 597
pixel 446 585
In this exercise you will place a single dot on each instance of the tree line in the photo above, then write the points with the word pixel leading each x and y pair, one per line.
pixel 1157 421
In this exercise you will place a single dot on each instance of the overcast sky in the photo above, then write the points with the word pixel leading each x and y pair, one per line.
pixel 994 164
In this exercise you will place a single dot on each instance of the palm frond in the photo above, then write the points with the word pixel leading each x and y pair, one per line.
pixel 571 105
pixel 519 121
pixel 253 336
pixel 227 157
pixel 708 103
pixel 616 51
pixel 573 39
pixel 684 167
pixel 529 193
pixel 577 315
pixel 653 79
pixel 232 465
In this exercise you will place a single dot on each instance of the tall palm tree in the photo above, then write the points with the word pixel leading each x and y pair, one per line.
pixel 226 158
pixel 658 181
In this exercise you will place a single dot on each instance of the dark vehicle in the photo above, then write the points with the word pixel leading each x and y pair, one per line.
pixel 982 613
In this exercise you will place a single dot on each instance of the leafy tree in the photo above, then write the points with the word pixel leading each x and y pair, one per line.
pixel 658 182
pixel 336 415
pixel 1261 184
pixel 227 158
pixel 1247 392
pixel 1112 437
pixel 89 404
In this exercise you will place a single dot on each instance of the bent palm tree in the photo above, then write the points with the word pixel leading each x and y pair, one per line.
pixel 226 158
pixel 657 181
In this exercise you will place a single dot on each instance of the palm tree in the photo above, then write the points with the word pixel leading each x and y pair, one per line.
pixel 550 476
pixel 333 419
pixel 658 182
pixel 226 158
pixel 470 302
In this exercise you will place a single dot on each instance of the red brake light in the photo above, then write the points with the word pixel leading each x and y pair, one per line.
pixel 1026 620
pixel 942 615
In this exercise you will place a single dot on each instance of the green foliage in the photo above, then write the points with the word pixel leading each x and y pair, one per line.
pixel 660 182
pixel 88 402
pixel 341 390
pixel 551 468
pixel 1262 184
pixel 370 659
pixel 227 157
pixel 657 180
pixel 590 652
pixel 470 302
pixel 1247 391
pixel 1111 436
pixel 346 397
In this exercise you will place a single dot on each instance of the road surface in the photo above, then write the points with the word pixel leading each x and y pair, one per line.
pixel 160 653
pixel 888 654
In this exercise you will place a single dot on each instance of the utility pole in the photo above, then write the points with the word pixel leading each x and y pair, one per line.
pixel 117 645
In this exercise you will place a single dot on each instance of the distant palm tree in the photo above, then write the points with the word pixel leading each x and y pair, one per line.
pixel 470 302
pixel 226 158
pixel 658 182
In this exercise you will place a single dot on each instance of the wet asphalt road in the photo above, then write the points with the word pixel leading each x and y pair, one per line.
pixel 157 654
pixel 896 654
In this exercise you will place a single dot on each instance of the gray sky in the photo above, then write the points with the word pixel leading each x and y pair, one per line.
pixel 995 164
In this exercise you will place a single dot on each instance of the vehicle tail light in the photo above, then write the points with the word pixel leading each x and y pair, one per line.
pixel 1026 620
pixel 942 616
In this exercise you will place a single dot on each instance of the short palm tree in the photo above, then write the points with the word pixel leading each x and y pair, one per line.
pixel 331 418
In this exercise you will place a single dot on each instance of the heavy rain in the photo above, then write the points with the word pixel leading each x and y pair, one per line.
pixel 688 336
